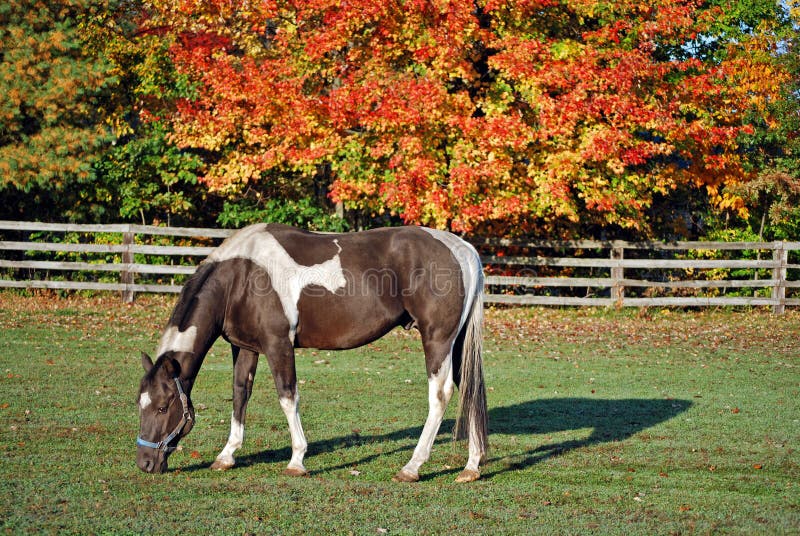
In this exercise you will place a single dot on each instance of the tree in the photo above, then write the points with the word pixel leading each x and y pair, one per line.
pixel 772 150
pixel 142 176
pixel 521 116
pixel 51 114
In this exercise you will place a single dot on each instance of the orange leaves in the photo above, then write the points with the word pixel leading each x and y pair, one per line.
pixel 520 114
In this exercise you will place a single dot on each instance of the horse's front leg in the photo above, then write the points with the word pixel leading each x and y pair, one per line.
pixel 280 355
pixel 244 372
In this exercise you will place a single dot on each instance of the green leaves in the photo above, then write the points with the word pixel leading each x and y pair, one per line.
pixel 152 179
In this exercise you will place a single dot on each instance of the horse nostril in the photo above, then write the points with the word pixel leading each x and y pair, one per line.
pixel 146 465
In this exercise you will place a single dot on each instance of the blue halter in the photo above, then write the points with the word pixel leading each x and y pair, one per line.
pixel 185 419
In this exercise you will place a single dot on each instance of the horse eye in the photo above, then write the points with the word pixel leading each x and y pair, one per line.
pixel 162 410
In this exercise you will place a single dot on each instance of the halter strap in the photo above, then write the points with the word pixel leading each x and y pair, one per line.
pixel 185 418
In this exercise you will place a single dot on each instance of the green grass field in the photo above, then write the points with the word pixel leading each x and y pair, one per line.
pixel 644 422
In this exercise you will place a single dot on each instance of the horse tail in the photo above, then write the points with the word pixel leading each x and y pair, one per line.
pixel 472 412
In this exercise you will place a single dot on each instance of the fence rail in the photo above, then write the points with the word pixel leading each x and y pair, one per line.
pixel 609 273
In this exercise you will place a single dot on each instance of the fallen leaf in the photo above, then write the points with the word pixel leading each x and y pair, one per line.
pixel 757 466
pixel 684 508
pixel 735 410
pixel 195 455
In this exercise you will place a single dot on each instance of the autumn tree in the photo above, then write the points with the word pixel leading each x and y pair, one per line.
pixel 141 176
pixel 512 117
pixel 771 150
pixel 52 123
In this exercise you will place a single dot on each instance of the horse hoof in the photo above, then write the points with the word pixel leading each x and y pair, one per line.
pixel 220 465
pixel 468 475
pixel 295 471
pixel 405 476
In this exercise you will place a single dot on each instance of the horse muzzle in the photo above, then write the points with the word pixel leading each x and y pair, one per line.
pixel 151 461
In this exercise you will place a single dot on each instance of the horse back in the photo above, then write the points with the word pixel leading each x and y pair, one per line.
pixel 345 290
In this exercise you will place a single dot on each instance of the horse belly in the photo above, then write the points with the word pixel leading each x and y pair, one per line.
pixel 334 322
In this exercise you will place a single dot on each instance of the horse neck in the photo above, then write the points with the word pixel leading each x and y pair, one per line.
pixel 191 336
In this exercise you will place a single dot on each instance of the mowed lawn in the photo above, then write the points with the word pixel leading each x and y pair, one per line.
pixel 608 422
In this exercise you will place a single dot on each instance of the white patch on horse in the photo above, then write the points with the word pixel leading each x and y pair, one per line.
pixel 145 400
pixel 235 440
pixel 440 390
pixel 471 268
pixel 175 340
pixel 290 408
pixel 287 277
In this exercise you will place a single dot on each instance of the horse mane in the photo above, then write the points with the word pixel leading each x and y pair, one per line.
pixel 189 295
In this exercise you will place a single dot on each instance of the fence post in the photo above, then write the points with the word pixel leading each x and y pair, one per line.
pixel 617 275
pixel 126 276
pixel 780 256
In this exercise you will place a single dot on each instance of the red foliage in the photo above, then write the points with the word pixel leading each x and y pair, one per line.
pixel 518 114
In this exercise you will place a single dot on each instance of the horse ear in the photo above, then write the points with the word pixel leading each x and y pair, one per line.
pixel 147 362
pixel 171 367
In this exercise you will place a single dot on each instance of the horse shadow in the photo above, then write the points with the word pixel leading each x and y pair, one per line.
pixel 610 421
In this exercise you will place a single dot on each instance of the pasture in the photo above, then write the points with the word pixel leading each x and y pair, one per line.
pixel 649 422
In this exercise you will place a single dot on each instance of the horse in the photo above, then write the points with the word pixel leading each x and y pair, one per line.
pixel 269 288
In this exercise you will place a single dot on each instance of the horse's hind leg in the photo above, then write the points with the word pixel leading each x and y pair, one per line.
pixel 244 372
pixel 440 390
pixel 280 354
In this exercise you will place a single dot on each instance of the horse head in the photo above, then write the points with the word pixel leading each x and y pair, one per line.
pixel 166 413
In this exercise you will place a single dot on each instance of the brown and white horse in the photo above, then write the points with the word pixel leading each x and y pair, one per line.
pixel 269 289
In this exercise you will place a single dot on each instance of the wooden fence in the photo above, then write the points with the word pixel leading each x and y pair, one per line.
pixel 645 274
pixel 605 273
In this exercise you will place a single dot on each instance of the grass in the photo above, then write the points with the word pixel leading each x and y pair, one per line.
pixel 606 422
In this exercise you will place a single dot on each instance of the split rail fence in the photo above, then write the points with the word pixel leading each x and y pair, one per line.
pixel 576 273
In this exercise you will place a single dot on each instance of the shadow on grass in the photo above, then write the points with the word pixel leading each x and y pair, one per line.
pixel 610 420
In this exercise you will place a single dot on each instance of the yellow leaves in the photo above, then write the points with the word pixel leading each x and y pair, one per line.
pixel 726 200
pixel 565 49
pixel 794 11
pixel 231 173
pixel 119 126
pixel 616 166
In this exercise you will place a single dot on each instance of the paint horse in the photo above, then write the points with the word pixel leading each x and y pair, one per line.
pixel 269 289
